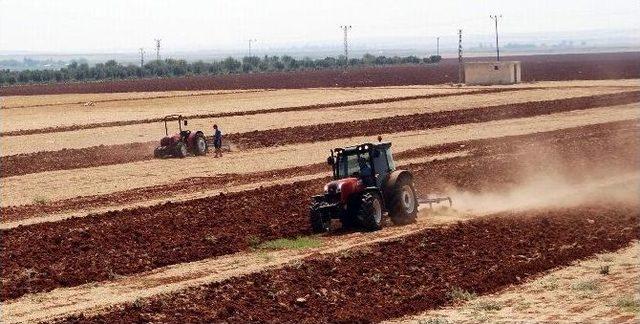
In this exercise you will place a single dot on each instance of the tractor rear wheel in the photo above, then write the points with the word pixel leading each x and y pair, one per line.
pixel 403 205
pixel 200 145
pixel 181 150
pixel 370 212
pixel 318 223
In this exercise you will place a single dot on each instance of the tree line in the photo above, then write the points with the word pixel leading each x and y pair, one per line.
pixel 112 70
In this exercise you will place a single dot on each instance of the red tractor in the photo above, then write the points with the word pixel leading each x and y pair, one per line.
pixel 366 185
pixel 180 144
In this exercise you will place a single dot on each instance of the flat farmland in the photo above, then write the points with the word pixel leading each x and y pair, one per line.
pixel 140 106
pixel 543 176
pixel 306 115
pixel 71 99
pixel 560 67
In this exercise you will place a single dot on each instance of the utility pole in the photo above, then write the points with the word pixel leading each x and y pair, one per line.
pixel 438 46
pixel 495 19
pixel 345 29
pixel 251 41
pixel 460 65
pixel 141 57
pixel 158 49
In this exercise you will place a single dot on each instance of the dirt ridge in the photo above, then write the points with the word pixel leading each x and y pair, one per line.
pixel 59 129
pixel 71 252
pixel 397 278
pixel 14 213
pixel 103 155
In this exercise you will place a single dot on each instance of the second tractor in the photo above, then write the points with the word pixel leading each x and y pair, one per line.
pixel 180 144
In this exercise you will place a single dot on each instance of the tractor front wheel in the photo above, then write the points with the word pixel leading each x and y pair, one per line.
pixel 370 212
pixel 318 223
pixel 181 150
pixel 403 203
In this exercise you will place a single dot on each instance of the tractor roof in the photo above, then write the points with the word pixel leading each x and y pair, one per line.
pixel 362 147
pixel 172 117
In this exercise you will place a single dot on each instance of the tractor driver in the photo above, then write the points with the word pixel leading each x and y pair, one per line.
pixel 366 173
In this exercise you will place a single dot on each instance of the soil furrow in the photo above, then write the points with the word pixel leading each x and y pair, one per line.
pixel 104 155
pixel 398 278
pixel 319 132
pixel 70 128
pixel 71 252
pixel 186 186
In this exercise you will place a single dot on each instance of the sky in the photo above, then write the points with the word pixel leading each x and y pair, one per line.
pixel 86 26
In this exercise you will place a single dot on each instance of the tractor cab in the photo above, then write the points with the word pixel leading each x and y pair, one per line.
pixel 370 162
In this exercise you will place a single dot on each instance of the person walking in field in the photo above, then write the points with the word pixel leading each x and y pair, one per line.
pixel 217 141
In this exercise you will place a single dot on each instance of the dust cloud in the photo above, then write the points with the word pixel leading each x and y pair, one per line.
pixel 551 192
pixel 550 174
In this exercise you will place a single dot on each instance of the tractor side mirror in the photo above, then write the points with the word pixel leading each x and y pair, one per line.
pixel 185 122
pixel 330 160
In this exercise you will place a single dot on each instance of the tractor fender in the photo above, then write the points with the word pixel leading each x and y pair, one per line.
pixel 394 177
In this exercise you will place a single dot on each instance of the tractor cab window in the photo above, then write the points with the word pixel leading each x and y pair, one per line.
pixel 348 164
pixel 392 164
pixel 380 161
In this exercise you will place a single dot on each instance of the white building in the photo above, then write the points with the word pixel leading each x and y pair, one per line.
pixel 488 73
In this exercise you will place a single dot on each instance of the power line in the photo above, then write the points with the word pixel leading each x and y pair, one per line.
pixel 460 65
pixel 141 57
pixel 251 41
pixel 345 29
pixel 158 49
pixel 495 19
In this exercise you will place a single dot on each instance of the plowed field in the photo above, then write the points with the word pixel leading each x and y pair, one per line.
pixel 535 68
pixel 95 230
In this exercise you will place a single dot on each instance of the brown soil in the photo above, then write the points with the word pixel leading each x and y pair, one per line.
pixel 535 68
pixel 319 132
pixel 104 155
pixel 71 252
pixel 575 294
pixel 393 279
pixel 57 129
pixel 625 132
